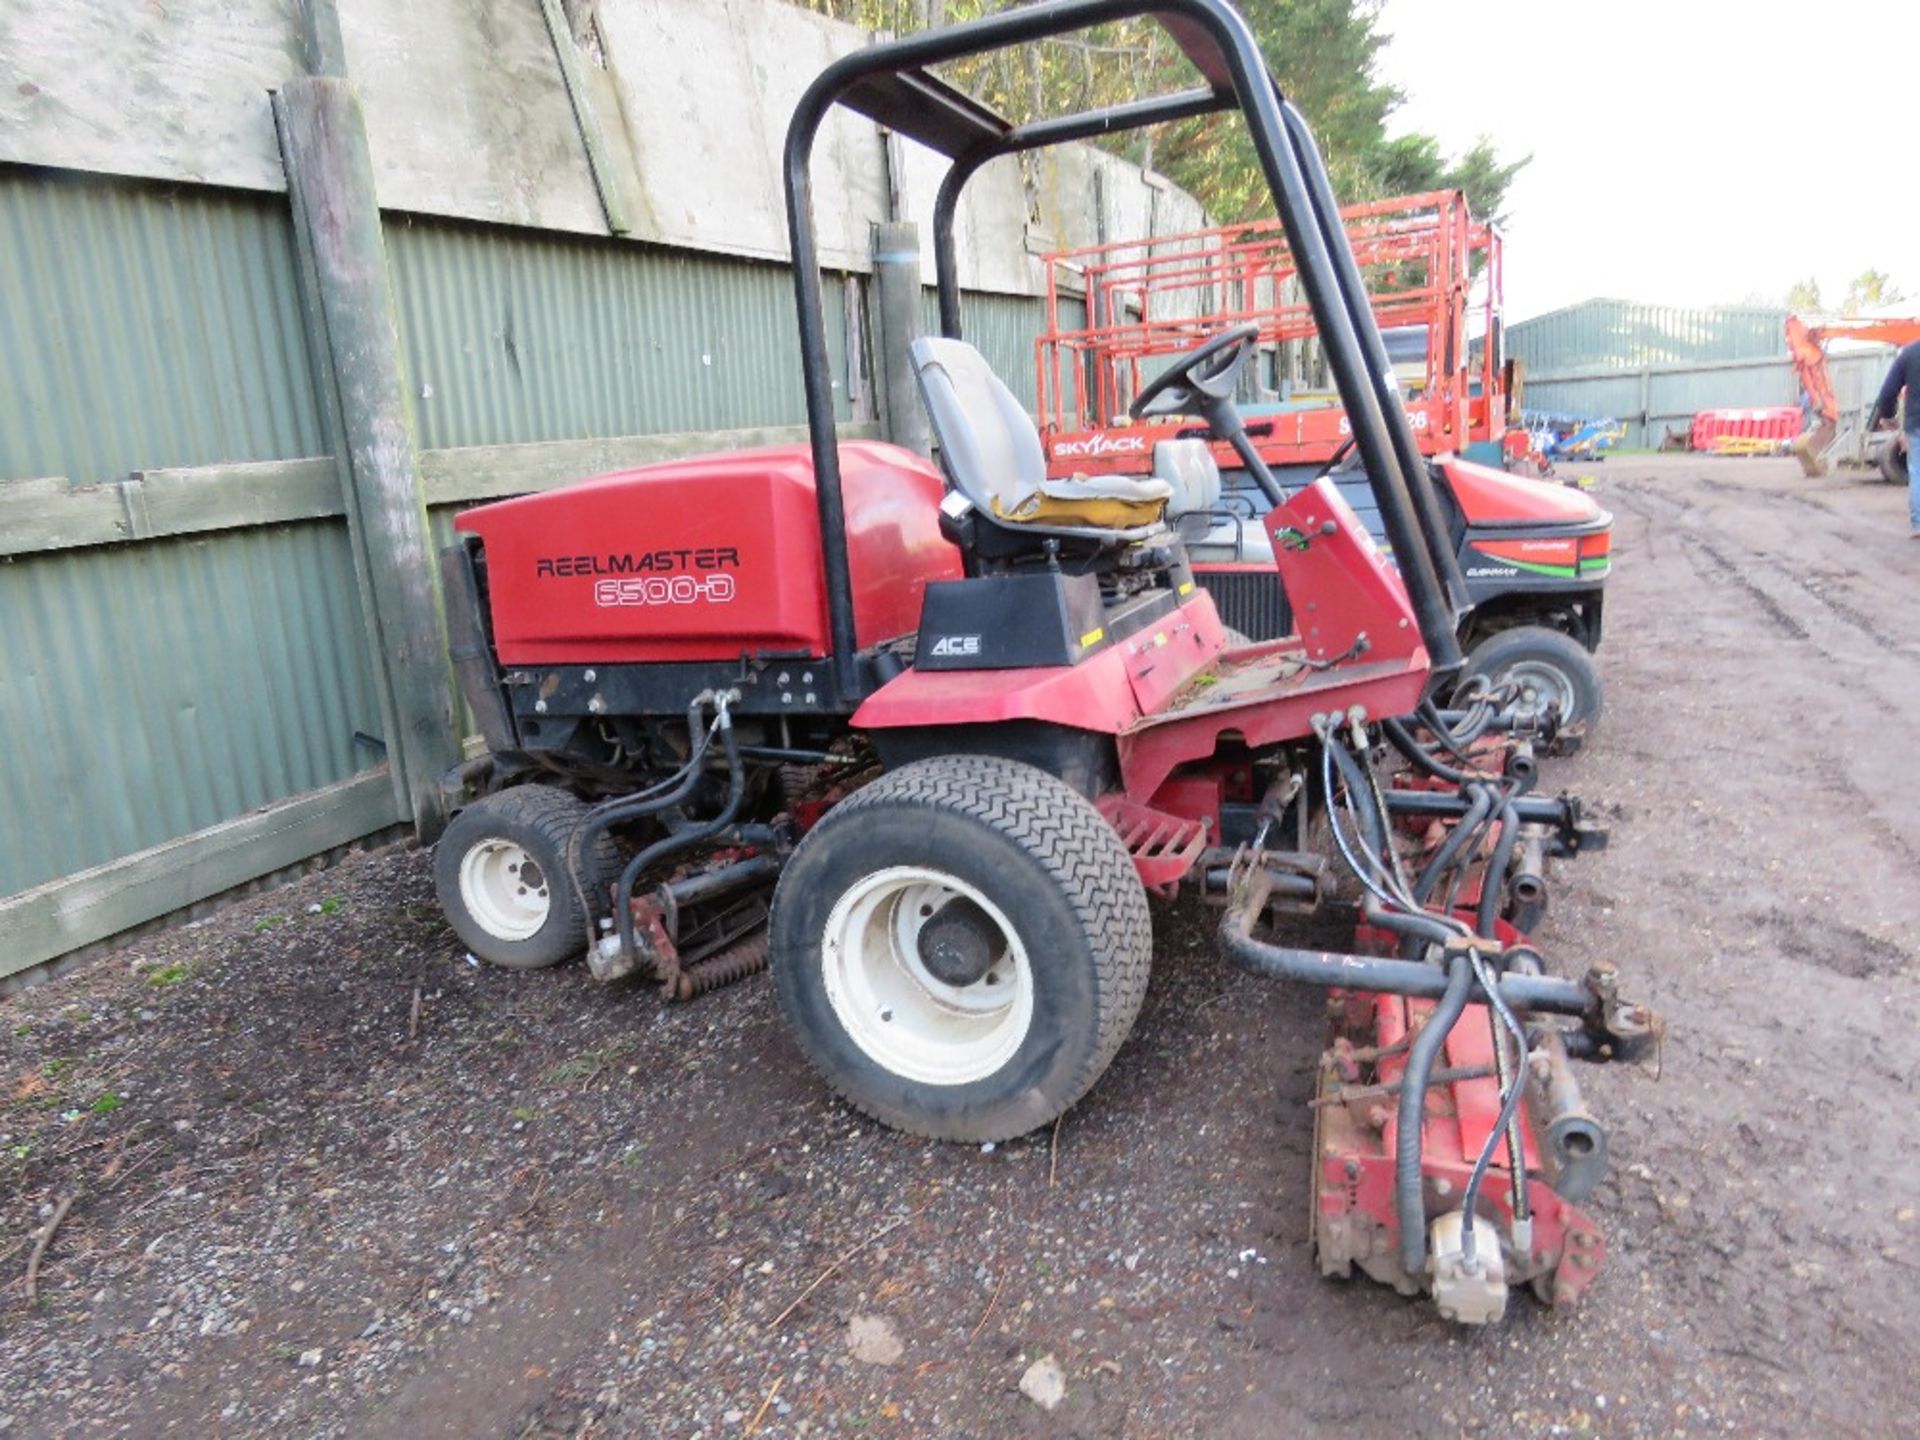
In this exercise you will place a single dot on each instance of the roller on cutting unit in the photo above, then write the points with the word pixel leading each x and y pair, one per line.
pixel 925 740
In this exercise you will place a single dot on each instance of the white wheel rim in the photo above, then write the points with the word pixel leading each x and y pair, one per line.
pixel 903 1017
pixel 504 890
pixel 1540 683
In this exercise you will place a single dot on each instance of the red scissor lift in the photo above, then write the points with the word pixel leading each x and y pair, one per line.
pixel 1145 300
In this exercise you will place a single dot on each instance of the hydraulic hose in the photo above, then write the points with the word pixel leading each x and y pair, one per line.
pixel 1426 926
pixel 659 796
pixel 1479 808
pixel 1493 884
pixel 1451 739
pixel 1424 760
pixel 1374 821
pixel 1371 878
pixel 1505 1126
pixel 1402 885
pixel 1409 1185
pixel 662 795
pixel 1506 1074
pixel 681 839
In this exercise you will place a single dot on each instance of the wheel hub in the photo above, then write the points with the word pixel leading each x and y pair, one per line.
pixel 1541 685
pixel 504 889
pixel 936 997
pixel 960 943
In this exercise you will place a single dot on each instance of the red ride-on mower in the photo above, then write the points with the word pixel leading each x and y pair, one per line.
pixel 927 742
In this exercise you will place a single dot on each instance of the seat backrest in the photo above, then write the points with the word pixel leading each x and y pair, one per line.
pixel 988 442
pixel 1189 468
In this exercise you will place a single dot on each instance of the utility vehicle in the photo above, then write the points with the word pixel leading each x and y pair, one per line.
pixel 1535 553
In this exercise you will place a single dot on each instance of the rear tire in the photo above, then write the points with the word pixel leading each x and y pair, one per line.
pixel 1049 907
pixel 501 874
pixel 1893 463
pixel 1548 664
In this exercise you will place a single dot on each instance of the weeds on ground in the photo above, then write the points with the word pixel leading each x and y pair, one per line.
pixel 583 1069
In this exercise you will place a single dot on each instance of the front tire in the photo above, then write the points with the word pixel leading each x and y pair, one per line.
pixel 961 947
pixel 501 872
pixel 1548 665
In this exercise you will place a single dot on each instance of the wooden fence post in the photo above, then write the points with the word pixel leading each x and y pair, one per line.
pixel 323 146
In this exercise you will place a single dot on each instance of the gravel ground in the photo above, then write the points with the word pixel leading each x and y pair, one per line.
pixel 327 1178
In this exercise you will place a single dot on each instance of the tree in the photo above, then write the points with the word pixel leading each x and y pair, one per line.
pixel 1408 164
pixel 1871 290
pixel 1324 53
pixel 1804 295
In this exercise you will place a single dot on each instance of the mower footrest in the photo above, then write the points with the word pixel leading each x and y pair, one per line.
pixel 1164 847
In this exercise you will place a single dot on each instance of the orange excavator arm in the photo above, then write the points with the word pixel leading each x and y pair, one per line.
pixel 1807 344
pixel 1809 353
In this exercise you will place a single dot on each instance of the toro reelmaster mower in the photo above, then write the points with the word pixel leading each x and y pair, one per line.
pixel 927 741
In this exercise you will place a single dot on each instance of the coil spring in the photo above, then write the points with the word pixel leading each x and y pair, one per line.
pixel 737 962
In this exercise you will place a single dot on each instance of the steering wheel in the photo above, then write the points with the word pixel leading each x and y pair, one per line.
pixel 1200 379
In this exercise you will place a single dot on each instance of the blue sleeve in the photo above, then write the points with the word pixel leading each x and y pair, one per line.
pixel 1890 392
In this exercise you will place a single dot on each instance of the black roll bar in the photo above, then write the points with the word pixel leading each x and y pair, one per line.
pixel 889 81
pixel 1446 563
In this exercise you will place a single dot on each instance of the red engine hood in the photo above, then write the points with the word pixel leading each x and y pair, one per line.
pixel 1493 497
pixel 704 558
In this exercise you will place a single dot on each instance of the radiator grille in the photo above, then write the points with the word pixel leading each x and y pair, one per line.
pixel 1250 601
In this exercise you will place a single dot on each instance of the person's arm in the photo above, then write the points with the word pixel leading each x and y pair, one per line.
pixel 1890 392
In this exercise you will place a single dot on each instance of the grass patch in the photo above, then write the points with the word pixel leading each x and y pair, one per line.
pixel 587 1066
pixel 168 975
pixel 106 1104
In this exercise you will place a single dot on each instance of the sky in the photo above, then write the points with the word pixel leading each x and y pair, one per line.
pixel 1684 153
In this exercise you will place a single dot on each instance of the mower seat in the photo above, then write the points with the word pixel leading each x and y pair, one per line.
pixel 1191 473
pixel 992 454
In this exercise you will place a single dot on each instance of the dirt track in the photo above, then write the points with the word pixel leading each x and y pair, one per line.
pixel 549 1208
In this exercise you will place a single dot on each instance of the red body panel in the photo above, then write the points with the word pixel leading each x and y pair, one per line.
pixel 1355 588
pixel 1493 497
pixel 1142 689
pixel 704 558
pixel 1100 693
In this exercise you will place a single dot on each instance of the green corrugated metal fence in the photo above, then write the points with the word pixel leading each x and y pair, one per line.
pixel 1620 335
pixel 148 691
pixel 515 337
pixel 143 326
